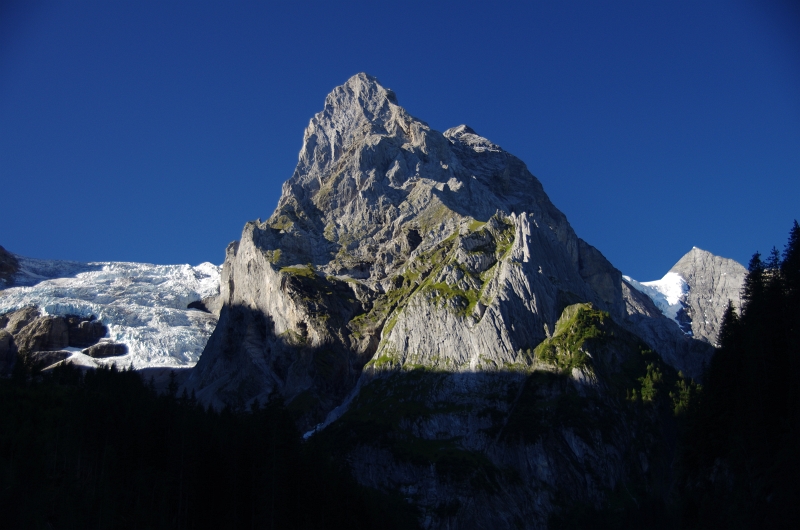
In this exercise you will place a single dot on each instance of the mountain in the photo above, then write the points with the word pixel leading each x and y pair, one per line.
pixel 695 292
pixel 130 314
pixel 433 320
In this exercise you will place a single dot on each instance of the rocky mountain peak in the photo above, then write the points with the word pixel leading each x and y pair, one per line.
pixel 712 281
pixel 399 245
pixel 370 176
pixel 421 281
pixel 695 292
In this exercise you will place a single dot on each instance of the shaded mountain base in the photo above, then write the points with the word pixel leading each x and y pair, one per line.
pixel 589 421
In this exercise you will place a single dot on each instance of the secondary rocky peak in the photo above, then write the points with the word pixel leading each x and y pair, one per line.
pixel 696 290
pixel 465 135
pixel 712 281
pixel 697 260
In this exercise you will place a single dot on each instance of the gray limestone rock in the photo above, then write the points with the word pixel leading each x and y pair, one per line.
pixel 374 210
pixel 695 292
pixel 9 266
pixel 14 321
pixel 45 333
pixel 439 249
pixel 712 281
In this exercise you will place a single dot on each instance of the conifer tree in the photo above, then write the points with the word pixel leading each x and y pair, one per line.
pixel 728 328
pixel 754 281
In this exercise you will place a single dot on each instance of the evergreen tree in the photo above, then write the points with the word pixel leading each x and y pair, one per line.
pixel 729 327
pixel 791 263
pixel 753 282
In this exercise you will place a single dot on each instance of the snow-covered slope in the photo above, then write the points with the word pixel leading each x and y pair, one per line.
pixel 144 306
pixel 668 294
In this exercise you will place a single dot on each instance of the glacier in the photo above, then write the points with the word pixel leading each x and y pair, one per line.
pixel 144 306
pixel 667 294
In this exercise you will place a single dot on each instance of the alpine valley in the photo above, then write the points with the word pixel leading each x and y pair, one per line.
pixel 425 314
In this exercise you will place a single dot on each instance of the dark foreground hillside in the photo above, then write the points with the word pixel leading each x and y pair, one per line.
pixel 102 449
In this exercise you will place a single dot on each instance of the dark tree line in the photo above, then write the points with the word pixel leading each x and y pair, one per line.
pixel 740 467
pixel 102 449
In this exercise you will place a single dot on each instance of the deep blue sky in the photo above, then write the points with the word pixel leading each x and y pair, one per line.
pixel 152 131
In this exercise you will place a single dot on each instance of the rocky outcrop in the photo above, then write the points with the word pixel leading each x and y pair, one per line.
pixel 43 338
pixel 510 448
pixel 394 240
pixel 388 226
pixel 424 282
pixel 84 332
pixel 106 349
pixel 14 321
pixel 9 266
pixel 45 333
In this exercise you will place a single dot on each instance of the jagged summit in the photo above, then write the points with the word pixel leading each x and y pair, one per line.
pixel 369 171
pixel 712 281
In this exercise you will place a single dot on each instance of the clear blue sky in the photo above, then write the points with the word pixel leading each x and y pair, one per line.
pixel 153 130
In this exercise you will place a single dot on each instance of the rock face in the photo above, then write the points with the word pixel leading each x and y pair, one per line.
pixel 84 332
pixel 106 349
pixel 432 270
pixel 695 292
pixel 44 337
pixel 712 281
pixel 8 267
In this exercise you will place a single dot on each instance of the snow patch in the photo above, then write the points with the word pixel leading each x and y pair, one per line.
pixel 667 294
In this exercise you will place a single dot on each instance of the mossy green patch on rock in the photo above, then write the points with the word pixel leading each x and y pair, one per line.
pixel 306 271
pixel 566 349
pixel 414 275
pixel 273 256
pixel 475 225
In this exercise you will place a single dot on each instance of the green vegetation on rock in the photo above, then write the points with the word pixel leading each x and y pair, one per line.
pixel 567 348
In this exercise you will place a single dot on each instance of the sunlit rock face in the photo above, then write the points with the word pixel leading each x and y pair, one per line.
pixel 695 292
pixel 432 270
